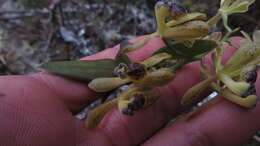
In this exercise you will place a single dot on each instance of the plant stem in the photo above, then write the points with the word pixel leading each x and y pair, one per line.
pixel 179 64
pixel 214 19
pixel 226 37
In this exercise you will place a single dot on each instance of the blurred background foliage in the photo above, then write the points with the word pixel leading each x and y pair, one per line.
pixel 33 32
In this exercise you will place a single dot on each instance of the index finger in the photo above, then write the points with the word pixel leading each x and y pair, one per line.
pixel 151 119
pixel 223 124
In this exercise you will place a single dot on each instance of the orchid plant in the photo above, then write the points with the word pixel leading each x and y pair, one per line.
pixel 187 38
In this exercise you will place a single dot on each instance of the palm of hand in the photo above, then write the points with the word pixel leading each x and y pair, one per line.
pixel 38 110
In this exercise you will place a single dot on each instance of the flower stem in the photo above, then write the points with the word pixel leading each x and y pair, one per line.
pixel 214 19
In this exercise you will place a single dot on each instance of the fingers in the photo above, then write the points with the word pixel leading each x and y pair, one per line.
pixel 73 94
pixel 24 93
pixel 76 95
pixel 31 115
pixel 224 124
pixel 133 130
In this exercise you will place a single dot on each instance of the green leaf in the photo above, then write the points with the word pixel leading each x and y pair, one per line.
pixel 182 62
pixel 180 51
pixel 82 70
pixel 225 22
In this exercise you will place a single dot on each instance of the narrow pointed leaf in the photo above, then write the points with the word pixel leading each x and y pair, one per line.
pixel 179 51
pixel 82 70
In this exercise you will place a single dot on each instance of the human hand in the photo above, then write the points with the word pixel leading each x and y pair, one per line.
pixel 38 110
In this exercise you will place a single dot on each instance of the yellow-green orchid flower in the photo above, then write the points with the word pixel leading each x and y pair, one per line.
pixel 238 76
pixel 183 26
pixel 228 7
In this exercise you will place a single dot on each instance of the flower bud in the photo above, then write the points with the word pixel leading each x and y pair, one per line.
pixel 155 59
pixel 188 30
pixel 156 78
pixel 136 71
pixel 106 84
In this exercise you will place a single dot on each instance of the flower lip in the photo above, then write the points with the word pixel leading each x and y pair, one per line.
pixel 136 70
pixel 251 76
pixel 136 103
pixel 250 91
pixel 162 3
pixel 177 10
